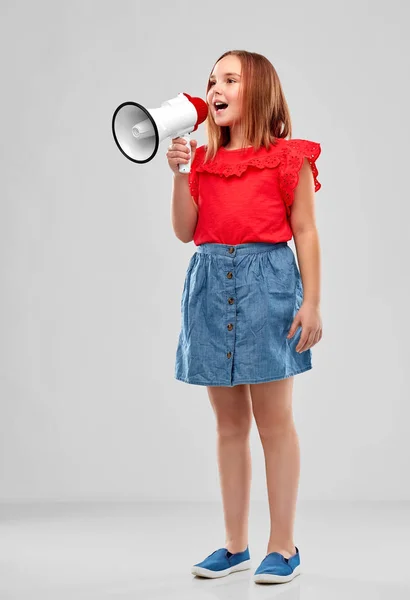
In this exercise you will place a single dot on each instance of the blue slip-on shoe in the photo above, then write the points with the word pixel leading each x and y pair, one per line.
pixel 275 568
pixel 221 563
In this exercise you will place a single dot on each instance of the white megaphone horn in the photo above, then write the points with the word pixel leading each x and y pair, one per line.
pixel 138 131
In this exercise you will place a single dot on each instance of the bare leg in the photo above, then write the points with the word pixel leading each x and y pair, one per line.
pixel 272 408
pixel 233 412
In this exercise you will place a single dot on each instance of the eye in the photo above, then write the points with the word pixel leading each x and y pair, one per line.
pixel 211 83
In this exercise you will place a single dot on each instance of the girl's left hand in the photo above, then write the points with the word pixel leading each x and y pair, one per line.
pixel 307 317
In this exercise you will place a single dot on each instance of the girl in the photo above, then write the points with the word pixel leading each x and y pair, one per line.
pixel 247 324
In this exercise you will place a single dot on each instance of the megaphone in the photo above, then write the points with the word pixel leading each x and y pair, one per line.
pixel 138 131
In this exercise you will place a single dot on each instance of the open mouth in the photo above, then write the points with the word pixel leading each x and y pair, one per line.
pixel 220 107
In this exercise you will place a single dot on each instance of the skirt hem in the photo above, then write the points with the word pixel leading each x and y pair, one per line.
pixel 247 381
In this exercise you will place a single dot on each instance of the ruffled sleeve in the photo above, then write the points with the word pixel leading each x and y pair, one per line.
pixel 193 174
pixel 295 151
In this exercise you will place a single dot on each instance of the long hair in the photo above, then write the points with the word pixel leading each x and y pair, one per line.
pixel 265 112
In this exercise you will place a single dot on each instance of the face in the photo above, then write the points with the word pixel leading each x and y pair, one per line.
pixel 225 88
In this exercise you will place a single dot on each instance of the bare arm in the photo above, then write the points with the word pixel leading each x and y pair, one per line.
pixel 302 220
pixel 184 212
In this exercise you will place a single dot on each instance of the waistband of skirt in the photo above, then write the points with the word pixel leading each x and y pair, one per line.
pixel 242 249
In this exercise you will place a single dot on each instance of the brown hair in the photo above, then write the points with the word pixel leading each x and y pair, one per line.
pixel 265 112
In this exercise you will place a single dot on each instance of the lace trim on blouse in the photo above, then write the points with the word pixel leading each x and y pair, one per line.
pixel 218 167
pixel 296 151
pixel 224 169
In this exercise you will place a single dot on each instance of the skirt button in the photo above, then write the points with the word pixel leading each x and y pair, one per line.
pixel 231 300
pixel 229 275
pixel 229 355
pixel 231 249
pixel 230 327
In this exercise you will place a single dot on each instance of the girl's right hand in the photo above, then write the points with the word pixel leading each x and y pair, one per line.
pixel 178 153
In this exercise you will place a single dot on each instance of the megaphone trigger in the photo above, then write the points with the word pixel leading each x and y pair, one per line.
pixel 186 167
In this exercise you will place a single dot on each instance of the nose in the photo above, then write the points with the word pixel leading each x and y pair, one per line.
pixel 215 89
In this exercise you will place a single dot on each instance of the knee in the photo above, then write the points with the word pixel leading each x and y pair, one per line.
pixel 277 428
pixel 234 428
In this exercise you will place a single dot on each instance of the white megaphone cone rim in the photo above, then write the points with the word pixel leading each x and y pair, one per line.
pixel 124 119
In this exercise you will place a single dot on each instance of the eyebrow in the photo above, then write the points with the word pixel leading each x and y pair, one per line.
pixel 237 74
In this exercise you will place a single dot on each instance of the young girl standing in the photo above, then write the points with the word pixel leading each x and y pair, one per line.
pixel 247 323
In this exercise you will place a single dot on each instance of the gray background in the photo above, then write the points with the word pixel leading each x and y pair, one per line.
pixel 92 274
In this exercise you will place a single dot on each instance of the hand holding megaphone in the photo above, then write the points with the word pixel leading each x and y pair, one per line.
pixel 138 131
pixel 181 152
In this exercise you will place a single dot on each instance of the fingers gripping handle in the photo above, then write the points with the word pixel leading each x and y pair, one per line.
pixel 186 167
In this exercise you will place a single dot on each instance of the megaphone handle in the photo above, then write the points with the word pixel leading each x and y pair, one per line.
pixel 186 167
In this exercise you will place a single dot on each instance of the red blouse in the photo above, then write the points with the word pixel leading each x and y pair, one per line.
pixel 245 195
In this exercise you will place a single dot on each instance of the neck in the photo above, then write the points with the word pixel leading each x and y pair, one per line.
pixel 236 138
pixel 230 147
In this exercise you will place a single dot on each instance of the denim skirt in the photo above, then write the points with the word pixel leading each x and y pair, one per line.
pixel 237 306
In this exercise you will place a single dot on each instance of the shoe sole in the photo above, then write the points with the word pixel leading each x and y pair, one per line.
pixel 202 572
pixel 268 578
